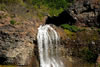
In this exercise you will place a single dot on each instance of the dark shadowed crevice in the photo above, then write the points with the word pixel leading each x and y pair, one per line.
pixel 88 7
pixel 2 60
pixel 63 18
pixel 98 20
pixel 36 52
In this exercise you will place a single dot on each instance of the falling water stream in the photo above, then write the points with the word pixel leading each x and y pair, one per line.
pixel 48 43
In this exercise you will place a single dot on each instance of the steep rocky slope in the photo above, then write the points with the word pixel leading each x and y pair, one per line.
pixel 83 44
pixel 18 43
pixel 80 13
pixel 86 12
pixel 17 39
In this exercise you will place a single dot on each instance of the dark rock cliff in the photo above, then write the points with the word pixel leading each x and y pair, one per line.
pixel 80 13
pixel 86 12
pixel 84 44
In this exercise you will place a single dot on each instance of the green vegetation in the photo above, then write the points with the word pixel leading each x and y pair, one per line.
pixel 51 3
pixel 2 6
pixel 8 66
pixel 98 30
pixel 88 55
pixel 12 22
pixel 11 1
pixel 98 65
pixel 55 12
pixel 92 28
pixel 71 28
pixel 54 7
pixel 70 34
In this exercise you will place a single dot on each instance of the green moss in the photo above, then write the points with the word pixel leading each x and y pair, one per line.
pixel 70 34
pixel 11 1
pixel 55 12
pixel 2 6
pixel 54 6
pixel 40 16
pixel 95 36
pixel 98 65
pixel 88 55
pixel 92 28
pixel 71 28
pixel 12 22
pixel 8 66
pixel 98 30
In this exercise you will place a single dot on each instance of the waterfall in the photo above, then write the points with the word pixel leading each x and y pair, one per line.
pixel 48 43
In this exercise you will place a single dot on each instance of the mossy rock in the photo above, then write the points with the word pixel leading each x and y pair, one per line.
pixel 12 22
pixel 88 55
pixel 8 66
pixel 72 28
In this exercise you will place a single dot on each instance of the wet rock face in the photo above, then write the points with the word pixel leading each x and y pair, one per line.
pixel 86 12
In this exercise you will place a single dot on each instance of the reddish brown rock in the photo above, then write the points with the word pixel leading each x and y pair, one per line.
pixel 17 41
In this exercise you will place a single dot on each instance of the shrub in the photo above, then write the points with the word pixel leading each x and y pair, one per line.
pixel 88 55
pixel 6 2
pixel 55 12
pixel 70 34
pixel 98 30
pixel 54 6
pixel 12 22
pixel 71 28
pixel 92 28
pixel 2 6
pixel 98 65
pixel 51 3
pixel 7 66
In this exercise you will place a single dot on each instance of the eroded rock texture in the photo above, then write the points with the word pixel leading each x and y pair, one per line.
pixel 80 13
pixel 86 12
pixel 17 40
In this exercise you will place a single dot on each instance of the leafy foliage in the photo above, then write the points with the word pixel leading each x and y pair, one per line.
pixel 88 55
pixel 54 6
pixel 12 22
pixel 52 3
pixel 8 66
pixel 55 12
pixel 98 30
pixel 11 1
pixel 71 28
pixel 2 6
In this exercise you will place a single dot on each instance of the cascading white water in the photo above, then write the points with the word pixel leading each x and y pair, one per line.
pixel 48 42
